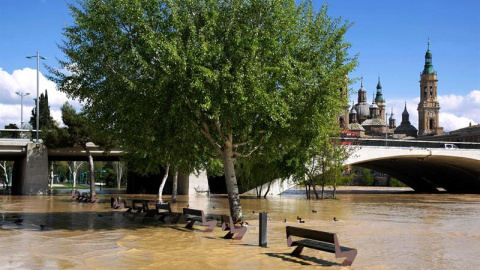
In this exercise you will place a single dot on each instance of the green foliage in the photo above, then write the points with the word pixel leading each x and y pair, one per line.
pixel 45 119
pixel 367 177
pixel 11 134
pixel 395 183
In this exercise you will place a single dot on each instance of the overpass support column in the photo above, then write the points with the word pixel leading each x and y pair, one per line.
pixel 34 171
pixel 193 184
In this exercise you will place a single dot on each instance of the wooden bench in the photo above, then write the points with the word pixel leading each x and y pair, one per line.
pixel 194 215
pixel 133 205
pixel 319 240
pixel 116 204
pixel 227 224
pixel 164 210
pixel 75 194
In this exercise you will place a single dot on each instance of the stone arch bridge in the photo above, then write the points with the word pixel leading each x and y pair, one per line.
pixel 424 166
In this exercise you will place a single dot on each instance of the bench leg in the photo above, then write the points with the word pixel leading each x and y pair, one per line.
pixel 229 235
pixel 175 218
pixel 240 233
pixel 297 251
pixel 150 213
pixel 190 224
pixel 350 257
pixel 162 218
pixel 211 224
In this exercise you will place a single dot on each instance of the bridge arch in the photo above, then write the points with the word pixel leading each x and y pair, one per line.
pixel 423 169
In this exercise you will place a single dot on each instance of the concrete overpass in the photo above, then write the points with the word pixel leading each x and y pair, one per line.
pixel 422 165
pixel 30 170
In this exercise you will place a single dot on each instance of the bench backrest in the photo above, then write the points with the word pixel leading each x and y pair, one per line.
pixel 193 212
pixel 311 234
pixel 163 206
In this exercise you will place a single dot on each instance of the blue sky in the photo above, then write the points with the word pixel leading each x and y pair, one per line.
pixel 389 36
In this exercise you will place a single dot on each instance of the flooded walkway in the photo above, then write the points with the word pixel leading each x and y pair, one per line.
pixel 390 231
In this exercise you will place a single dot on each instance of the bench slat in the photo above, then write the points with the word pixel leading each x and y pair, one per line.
pixel 311 234
pixel 328 247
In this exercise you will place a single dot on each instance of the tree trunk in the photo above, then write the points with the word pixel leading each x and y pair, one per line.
pixel 74 175
pixel 174 185
pixel 231 180
pixel 119 168
pixel 314 188
pixel 268 190
pixel 92 174
pixel 334 190
pixel 4 166
pixel 51 175
pixel 162 185
pixel 323 190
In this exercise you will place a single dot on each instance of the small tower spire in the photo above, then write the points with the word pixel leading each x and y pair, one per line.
pixel 428 68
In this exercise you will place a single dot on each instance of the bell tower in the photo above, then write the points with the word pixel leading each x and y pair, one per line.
pixel 428 108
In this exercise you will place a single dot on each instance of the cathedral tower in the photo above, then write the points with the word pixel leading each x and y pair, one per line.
pixel 379 100
pixel 428 108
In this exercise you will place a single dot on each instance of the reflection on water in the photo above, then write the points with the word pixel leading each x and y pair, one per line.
pixel 390 231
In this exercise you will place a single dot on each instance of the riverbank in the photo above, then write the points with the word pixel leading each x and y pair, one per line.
pixel 352 190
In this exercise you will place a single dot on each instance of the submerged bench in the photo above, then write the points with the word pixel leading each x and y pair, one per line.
pixel 133 205
pixel 164 210
pixel 194 215
pixel 319 240
pixel 115 203
pixel 227 224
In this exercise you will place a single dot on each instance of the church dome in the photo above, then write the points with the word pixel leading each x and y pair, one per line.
pixel 362 109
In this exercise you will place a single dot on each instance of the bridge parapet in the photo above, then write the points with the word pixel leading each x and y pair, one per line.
pixel 408 143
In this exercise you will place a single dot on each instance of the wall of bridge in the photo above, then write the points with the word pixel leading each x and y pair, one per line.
pixel 424 169
pixel 30 173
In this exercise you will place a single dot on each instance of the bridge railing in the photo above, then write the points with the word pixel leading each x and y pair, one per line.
pixel 408 143
pixel 17 133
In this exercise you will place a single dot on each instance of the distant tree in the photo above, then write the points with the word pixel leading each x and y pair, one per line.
pixel 78 131
pixel 12 134
pixel 73 167
pixel 5 166
pixel 45 119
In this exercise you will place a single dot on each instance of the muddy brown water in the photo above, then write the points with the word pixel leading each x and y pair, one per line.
pixel 390 231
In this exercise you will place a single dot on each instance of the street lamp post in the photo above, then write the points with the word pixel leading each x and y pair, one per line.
pixel 21 106
pixel 38 88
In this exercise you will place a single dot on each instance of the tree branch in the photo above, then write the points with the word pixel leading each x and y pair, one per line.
pixel 237 154
pixel 205 130
pixel 235 145
pixel 218 126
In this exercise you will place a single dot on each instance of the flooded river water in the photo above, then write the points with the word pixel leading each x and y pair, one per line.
pixel 390 231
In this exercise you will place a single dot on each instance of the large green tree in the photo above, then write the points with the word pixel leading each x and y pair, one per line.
pixel 226 76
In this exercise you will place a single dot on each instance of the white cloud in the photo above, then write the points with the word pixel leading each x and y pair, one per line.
pixel 25 81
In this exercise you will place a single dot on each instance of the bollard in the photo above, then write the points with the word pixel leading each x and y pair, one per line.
pixel 263 230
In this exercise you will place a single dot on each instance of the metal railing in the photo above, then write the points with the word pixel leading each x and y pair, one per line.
pixel 409 143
